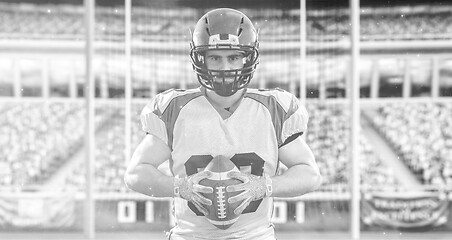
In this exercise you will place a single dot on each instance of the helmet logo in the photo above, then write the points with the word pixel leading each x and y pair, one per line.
pixel 223 39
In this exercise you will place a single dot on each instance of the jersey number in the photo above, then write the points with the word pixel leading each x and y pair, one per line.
pixel 244 161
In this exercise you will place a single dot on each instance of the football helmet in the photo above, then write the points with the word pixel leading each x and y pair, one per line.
pixel 224 29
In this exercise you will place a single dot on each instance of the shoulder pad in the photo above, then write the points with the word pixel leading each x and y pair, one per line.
pixel 284 98
pixel 162 100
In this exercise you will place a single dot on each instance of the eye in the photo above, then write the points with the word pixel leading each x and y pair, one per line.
pixel 235 58
pixel 213 58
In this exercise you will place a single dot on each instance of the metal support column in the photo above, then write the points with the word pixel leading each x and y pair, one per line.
pixel 303 19
pixel 375 79
pixel 435 87
pixel 128 80
pixel 355 112
pixel 89 226
pixel 406 89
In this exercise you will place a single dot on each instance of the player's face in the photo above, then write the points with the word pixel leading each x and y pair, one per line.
pixel 224 60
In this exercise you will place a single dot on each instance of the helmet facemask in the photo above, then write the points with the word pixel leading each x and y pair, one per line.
pixel 224 82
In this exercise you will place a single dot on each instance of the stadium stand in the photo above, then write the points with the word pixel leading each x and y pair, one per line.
pixel 64 22
pixel 422 135
pixel 327 136
pixel 328 133
pixel 40 138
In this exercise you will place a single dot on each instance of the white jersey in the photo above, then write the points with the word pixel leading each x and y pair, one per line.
pixel 195 132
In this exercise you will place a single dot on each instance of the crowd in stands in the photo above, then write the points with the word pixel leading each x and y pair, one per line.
pixel 110 163
pixel 42 137
pixel 66 22
pixel 421 133
pixel 36 139
pixel 328 136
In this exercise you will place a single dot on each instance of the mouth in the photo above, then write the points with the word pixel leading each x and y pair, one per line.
pixel 224 89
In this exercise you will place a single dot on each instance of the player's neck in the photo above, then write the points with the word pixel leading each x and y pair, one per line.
pixel 225 102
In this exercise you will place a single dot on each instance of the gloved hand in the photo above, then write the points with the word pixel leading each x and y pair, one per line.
pixel 253 187
pixel 188 188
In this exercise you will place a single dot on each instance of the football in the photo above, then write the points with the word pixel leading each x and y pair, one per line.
pixel 221 213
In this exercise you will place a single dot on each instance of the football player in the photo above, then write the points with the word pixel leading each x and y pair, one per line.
pixel 256 129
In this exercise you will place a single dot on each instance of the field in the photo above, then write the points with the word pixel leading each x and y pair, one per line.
pixel 281 236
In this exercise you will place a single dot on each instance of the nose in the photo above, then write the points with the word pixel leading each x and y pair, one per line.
pixel 224 65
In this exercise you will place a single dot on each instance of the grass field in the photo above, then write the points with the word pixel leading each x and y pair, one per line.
pixel 281 236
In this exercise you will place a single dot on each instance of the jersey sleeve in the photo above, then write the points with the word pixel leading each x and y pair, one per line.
pixel 151 121
pixel 296 120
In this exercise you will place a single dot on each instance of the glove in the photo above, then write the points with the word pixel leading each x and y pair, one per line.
pixel 188 188
pixel 253 187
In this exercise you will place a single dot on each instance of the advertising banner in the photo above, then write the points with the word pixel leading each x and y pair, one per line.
pixel 37 211
pixel 405 210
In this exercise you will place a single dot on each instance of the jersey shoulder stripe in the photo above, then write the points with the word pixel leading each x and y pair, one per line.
pixel 283 98
pixel 165 100
pixel 279 100
pixel 168 104
pixel 280 104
